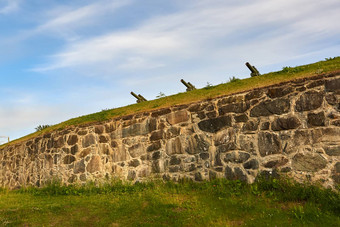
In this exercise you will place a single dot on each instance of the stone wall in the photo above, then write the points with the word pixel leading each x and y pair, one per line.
pixel 291 128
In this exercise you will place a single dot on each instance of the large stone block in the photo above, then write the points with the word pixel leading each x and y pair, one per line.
pixel 197 144
pixel 310 100
pixel 308 162
pixel 279 91
pixel 332 84
pixel 72 139
pixel 94 165
pixel 137 150
pixel 316 119
pixel 270 107
pixel 285 123
pixel 174 146
pixel 177 117
pixel 239 107
pixel 215 124
pixel 268 143
pixel 88 140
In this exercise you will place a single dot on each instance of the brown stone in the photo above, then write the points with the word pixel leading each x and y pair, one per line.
pixel 241 118
pixel 316 119
pixel 285 123
pixel 99 129
pixel 88 140
pixel 332 150
pixel 251 164
pixel 239 107
pixel 308 162
pixel 120 154
pixel 174 146
pixel 137 150
pixel 197 144
pixel 68 159
pixel 156 135
pixel 310 100
pixel 94 165
pixel 279 91
pixel 250 126
pixel 154 146
pixel 177 117
pixel 103 139
pixel 134 163
pixel 73 139
pixel 331 99
pixel 332 85
pixel 58 143
pixel 174 160
pixel 270 107
pixel 215 124
pixel 79 167
pixel 268 144
pixel 276 163
pixel 160 112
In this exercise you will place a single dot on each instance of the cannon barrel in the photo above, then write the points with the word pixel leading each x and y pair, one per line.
pixel 134 95
pixel 251 68
pixel 185 83
pixel 192 86
pixel 141 98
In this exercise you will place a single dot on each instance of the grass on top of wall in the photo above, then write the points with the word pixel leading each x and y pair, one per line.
pixel 273 202
pixel 234 86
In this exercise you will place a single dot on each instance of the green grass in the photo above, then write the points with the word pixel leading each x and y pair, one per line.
pixel 272 202
pixel 233 86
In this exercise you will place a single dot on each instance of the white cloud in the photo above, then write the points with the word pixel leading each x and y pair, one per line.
pixel 8 6
pixel 206 31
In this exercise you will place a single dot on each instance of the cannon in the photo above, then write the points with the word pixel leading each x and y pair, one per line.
pixel 254 71
pixel 139 97
pixel 189 86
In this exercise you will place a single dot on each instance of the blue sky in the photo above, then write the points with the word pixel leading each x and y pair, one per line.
pixel 63 59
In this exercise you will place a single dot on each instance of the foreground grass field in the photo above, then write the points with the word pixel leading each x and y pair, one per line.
pixel 286 74
pixel 217 203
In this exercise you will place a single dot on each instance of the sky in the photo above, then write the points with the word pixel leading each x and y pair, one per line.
pixel 61 59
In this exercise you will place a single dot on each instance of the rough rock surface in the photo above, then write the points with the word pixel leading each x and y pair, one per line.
pixel 292 128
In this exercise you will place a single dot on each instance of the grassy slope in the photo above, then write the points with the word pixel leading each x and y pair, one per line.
pixel 215 203
pixel 288 73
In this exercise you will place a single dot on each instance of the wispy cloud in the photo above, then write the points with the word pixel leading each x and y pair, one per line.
pixel 206 31
pixel 8 6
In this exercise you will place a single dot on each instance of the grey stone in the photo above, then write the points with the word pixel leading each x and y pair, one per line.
pixel 74 149
pixel 173 169
pixel 332 150
pixel 226 147
pixel 270 107
pixel 68 159
pixel 234 157
pixel 156 155
pixel 94 165
pixel 58 143
pixel 332 84
pixel 79 167
pixel 268 144
pixel 241 118
pixel 240 175
pixel 310 100
pixel 265 126
pixel 88 140
pixel 99 129
pixel 229 174
pixel 134 163
pixel 276 163
pixel 285 123
pixel 156 135
pixel 160 112
pixel 174 146
pixel 204 155
pixel 316 119
pixel 279 92
pixel 212 175
pixel 175 160
pixel 103 139
pixel 251 164
pixel 308 162
pixel 250 126
pixel 177 117
pixel 131 175
pixel 337 167
pixel 73 139
pixel 198 176
pixel 197 144
pixel 239 107
pixel 331 99
pixel 215 124
pixel 137 150
pixel 154 146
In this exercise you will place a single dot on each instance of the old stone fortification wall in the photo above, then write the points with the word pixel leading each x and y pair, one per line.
pixel 291 128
